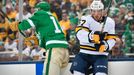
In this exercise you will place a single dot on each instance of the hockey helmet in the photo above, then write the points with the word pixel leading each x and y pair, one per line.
pixel 96 5
pixel 43 6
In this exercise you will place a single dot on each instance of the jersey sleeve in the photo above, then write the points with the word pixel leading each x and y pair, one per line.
pixel 28 23
pixel 82 35
pixel 84 22
pixel 24 25
pixel 82 31
pixel 111 34
pixel 111 26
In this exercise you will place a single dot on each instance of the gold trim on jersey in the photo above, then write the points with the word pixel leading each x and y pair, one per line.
pixel 87 47
pixel 111 36
pixel 81 27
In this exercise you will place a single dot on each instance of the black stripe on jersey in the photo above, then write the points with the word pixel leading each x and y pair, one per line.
pixel 111 34
pixel 90 48
pixel 78 28
pixel 82 27
pixel 88 37
pixel 87 47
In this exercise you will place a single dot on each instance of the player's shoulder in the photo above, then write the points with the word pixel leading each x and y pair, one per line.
pixel 109 19
pixel 41 12
pixel 86 17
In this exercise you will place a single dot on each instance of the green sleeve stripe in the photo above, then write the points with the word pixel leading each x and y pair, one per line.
pixel 31 23
pixel 48 61
pixel 56 41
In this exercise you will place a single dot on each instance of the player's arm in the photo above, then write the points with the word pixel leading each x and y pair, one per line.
pixel 83 30
pixel 24 26
pixel 110 38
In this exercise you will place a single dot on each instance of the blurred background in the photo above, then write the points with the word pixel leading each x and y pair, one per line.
pixel 68 13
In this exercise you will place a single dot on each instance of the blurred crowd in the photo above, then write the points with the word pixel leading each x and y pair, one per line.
pixel 68 13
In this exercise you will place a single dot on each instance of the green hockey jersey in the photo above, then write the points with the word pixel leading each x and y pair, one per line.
pixel 47 28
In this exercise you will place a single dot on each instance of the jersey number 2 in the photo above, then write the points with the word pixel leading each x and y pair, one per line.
pixel 57 30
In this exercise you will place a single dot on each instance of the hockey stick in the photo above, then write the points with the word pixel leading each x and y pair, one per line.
pixel 11 21
pixel 5 15
pixel 108 10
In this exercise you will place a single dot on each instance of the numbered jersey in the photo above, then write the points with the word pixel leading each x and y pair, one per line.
pixel 88 24
pixel 47 28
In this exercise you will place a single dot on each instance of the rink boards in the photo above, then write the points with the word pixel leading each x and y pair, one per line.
pixel 115 67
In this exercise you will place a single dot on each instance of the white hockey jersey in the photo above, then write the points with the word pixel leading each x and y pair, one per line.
pixel 87 24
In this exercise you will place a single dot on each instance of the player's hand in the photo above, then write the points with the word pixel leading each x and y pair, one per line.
pixel 95 37
pixel 103 46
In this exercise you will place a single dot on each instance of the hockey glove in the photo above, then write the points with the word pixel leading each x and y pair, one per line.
pixel 103 46
pixel 94 37
pixel 97 36
pixel 103 36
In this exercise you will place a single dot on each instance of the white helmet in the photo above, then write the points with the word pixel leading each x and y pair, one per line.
pixel 96 5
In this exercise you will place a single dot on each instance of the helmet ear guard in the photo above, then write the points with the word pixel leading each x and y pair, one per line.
pixel 96 5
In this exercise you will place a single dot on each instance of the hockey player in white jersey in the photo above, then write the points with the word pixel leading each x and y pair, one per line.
pixel 94 41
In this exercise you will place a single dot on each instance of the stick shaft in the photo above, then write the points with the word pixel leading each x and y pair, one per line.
pixel 108 10
pixel 5 15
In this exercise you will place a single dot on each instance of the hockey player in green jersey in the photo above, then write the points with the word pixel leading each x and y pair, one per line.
pixel 50 37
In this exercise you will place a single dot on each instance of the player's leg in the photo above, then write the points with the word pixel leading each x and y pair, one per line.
pixel 50 68
pixel 79 65
pixel 89 71
pixel 78 73
pixel 101 65
pixel 99 73
pixel 57 58
pixel 65 57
